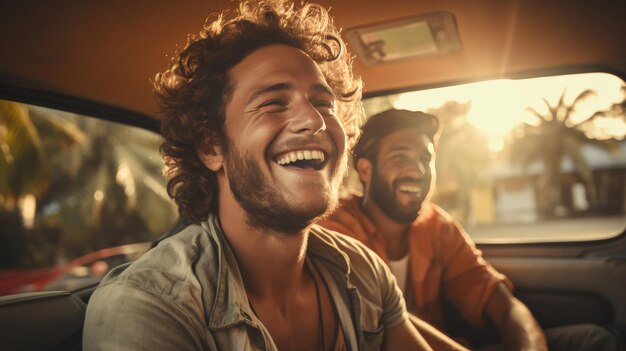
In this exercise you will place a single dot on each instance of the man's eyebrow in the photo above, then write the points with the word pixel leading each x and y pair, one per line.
pixel 268 89
pixel 323 88
pixel 404 147
pixel 400 148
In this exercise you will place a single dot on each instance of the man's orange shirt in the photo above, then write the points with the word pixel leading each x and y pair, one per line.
pixel 443 261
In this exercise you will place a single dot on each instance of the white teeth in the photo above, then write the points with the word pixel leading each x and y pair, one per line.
pixel 293 156
pixel 409 189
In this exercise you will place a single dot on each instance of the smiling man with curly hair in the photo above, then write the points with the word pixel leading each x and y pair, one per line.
pixel 260 110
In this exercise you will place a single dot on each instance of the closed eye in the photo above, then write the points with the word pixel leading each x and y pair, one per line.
pixel 399 157
pixel 275 102
pixel 326 107
pixel 329 104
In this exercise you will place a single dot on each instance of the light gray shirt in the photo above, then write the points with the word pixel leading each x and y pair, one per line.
pixel 187 294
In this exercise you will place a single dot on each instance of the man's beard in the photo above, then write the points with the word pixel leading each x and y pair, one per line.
pixel 266 207
pixel 385 198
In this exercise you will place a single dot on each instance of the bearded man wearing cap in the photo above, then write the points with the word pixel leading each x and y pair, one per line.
pixel 429 253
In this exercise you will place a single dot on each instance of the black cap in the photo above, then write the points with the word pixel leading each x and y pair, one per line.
pixel 382 124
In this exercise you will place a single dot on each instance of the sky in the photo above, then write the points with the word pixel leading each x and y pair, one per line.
pixel 499 105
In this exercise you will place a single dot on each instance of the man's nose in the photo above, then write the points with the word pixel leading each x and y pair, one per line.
pixel 418 168
pixel 307 119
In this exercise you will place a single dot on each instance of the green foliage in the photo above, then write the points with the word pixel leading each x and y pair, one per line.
pixel 98 184
pixel 23 168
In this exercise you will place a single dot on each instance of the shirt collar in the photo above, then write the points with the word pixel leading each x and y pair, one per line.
pixel 230 290
pixel 321 247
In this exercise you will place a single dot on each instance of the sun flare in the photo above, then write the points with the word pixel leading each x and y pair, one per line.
pixel 498 106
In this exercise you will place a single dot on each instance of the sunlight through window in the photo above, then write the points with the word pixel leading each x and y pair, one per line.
pixel 533 151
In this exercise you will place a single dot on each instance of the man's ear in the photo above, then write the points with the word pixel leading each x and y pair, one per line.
pixel 364 168
pixel 211 155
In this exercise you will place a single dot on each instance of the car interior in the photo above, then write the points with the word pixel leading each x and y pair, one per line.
pixel 97 59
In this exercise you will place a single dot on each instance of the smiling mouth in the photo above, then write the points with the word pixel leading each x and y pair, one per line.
pixel 410 189
pixel 303 159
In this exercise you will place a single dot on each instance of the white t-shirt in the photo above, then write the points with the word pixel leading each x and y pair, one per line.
pixel 399 269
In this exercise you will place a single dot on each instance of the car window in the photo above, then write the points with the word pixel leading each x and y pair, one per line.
pixel 78 196
pixel 528 160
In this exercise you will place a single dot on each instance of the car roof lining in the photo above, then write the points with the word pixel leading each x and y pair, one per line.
pixel 107 53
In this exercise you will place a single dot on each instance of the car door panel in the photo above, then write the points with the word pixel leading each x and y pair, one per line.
pixel 567 283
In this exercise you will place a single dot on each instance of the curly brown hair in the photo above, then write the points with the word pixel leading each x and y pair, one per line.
pixel 195 89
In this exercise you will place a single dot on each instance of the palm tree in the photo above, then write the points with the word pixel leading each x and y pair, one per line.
pixel 28 140
pixel 23 168
pixel 24 174
pixel 116 194
pixel 97 184
pixel 551 138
